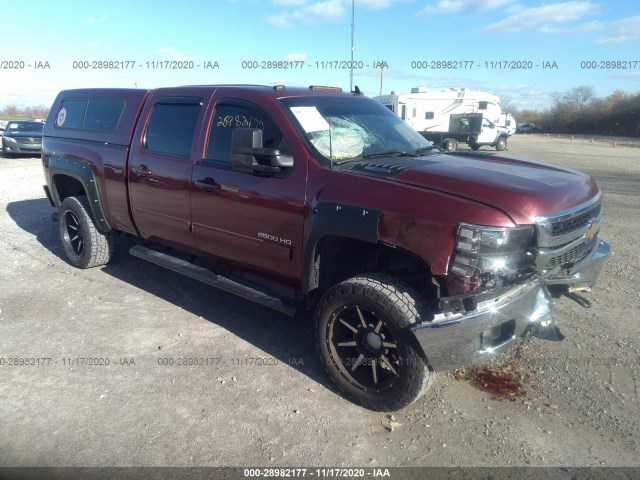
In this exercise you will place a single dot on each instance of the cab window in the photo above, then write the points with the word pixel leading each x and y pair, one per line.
pixel 172 126
pixel 228 117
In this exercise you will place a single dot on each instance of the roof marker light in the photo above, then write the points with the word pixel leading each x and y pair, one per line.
pixel 325 88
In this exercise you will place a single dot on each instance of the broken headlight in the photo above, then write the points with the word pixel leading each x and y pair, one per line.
pixel 487 256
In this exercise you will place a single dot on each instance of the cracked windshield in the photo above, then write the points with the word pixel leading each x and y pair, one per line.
pixel 348 128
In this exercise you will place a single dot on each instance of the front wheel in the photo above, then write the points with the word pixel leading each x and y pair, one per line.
pixel 362 335
pixel 501 144
pixel 84 245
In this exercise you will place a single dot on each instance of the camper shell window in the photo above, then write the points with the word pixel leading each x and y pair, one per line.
pixel 97 114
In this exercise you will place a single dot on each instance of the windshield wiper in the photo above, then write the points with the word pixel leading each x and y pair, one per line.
pixel 425 149
pixel 384 153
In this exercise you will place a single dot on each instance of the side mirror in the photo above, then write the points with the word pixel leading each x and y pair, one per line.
pixel 246 145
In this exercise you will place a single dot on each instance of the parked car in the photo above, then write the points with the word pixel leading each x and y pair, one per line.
pixel 22 137
pixel 536 130
pixel 525 127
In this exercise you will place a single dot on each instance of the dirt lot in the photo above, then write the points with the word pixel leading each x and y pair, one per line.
pixel 264 400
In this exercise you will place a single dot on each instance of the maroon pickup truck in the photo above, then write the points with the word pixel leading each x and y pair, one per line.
pixel 414 260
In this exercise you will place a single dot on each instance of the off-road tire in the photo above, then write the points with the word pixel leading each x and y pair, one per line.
pixel 84 245
pixel 365 303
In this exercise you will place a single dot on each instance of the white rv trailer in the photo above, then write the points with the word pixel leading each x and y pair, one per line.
pixel 430 112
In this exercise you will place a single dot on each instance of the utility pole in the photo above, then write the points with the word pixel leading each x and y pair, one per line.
pixel 353 25
pixel 381 75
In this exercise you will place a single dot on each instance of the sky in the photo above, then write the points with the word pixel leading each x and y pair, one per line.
pixel 525 51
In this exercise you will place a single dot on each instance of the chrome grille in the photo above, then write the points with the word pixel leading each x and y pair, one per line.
pixel 576 223
pixel 567 237
pixel 562 228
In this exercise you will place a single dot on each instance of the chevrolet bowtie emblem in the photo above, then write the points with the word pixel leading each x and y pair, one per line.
pixel 591 231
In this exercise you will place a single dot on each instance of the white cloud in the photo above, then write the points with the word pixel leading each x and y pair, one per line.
pixel 582 28
pixel 296 57
pixel 279 21
pixel 171 53
pixel 289 3
pixel 543 17
pixel 297 12
pixel 309 13
pixel 628 76
pixel 97 20
pixel 376 4
pixel 626 30
pixel 453 6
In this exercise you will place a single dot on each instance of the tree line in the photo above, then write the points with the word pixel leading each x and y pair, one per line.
pixel 14 112
pixel 580 111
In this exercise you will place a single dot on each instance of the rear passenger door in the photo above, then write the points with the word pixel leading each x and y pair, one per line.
pixel 160 165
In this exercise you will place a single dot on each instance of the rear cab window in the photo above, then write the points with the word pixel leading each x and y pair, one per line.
pixel 172 126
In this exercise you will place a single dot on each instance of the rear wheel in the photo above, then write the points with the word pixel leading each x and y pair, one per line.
pixel 363 338
pixel 474 146
pixel 84 245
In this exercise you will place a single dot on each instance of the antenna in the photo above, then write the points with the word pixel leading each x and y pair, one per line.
pixel 353 24
pixel 330 144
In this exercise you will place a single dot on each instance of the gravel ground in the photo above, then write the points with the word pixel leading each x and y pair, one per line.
pixel 264 400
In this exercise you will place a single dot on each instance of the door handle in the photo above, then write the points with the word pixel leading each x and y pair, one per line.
pixel 142 171
pixel 208 184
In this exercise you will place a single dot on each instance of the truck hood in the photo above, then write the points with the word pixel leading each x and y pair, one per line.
pixel 520 188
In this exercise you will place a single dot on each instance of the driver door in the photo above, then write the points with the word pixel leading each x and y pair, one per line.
pixel 252 220
pixel 488 132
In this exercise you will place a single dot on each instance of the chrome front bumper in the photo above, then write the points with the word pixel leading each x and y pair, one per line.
pixel 584 274
pixel 458 340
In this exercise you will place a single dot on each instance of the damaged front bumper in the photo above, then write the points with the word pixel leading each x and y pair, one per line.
pixel 495 322
pixel 582 275
pixel 457 340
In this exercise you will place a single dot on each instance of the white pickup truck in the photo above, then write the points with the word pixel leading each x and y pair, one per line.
pixel 471 128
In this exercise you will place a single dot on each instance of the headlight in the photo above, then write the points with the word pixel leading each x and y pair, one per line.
pixel 483 254
pixel 10 139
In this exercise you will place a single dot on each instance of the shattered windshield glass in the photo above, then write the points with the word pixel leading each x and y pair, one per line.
pixel 347 128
